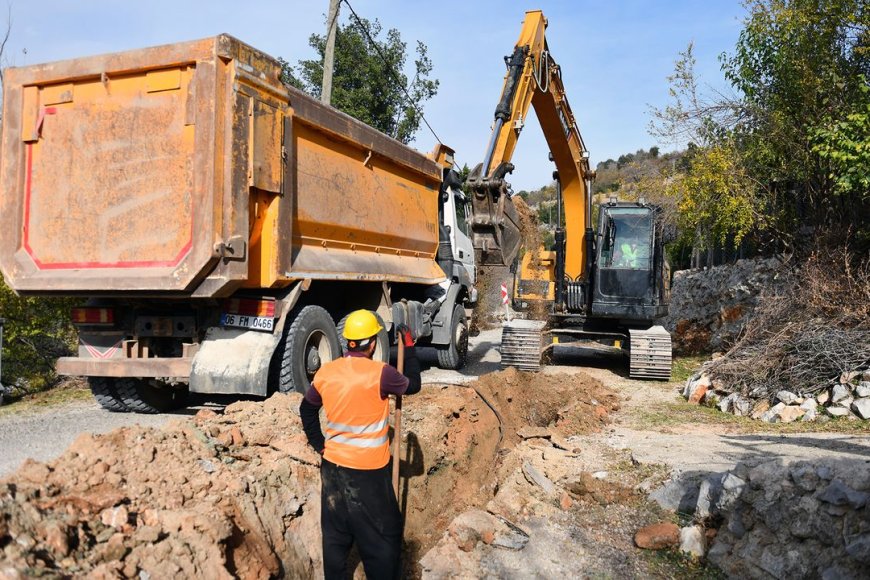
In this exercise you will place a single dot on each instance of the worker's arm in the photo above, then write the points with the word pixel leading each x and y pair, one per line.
pixel 309 412
pixel 395 383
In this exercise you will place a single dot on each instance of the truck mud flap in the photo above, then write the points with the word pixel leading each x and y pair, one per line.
pixel 232 361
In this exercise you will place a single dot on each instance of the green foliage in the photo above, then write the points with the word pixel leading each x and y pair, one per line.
pixel 845 144
pixel 36 333
pixel 795 134
pixel 368 83
pixel 714 199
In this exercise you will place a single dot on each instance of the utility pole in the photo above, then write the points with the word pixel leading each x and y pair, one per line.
pixel 329 53
pixel 2 322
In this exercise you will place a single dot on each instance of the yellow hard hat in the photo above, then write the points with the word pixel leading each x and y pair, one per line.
pixel 361 324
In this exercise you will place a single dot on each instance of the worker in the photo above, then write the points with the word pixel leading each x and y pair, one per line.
pixel 630 254
pixel 357 499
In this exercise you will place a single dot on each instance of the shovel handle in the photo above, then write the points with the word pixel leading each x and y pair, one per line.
pixel 397 425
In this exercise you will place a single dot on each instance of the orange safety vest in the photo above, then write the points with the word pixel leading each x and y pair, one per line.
pixel 356 416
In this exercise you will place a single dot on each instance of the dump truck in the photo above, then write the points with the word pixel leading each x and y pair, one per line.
pixel 218 226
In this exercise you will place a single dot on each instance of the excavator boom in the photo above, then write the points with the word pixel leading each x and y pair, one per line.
pixel 532 79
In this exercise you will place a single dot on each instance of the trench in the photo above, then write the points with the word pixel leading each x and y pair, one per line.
pixel 238 492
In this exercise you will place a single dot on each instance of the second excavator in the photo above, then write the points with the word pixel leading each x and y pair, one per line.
pixel 606 286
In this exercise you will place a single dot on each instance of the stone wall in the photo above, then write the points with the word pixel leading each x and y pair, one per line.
pixel 801 520
pixel 709 307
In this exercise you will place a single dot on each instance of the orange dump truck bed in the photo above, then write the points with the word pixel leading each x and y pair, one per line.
pixel 190 170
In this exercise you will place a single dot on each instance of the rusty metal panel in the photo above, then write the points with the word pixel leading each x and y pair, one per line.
pixel 113 176
pixel 366 207
pixel 267 168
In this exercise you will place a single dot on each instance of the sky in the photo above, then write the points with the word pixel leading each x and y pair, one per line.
pixel 615 55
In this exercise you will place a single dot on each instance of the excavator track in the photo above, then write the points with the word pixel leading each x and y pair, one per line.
pixel 521 342
pixel 650 354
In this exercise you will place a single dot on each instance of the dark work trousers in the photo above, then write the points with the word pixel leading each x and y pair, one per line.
pixel 359 506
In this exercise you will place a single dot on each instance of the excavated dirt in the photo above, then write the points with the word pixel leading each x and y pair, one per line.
pixel 532 241
pixel 237 493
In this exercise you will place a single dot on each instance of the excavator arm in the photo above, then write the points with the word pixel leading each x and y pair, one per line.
pixel 533 79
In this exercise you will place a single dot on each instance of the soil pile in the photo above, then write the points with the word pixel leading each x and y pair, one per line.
pixel 236 494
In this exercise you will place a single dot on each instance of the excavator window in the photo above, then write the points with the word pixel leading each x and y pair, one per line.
pixel 627 240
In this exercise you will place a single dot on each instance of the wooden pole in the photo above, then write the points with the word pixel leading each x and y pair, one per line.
pixel 329 52
pixel 397 426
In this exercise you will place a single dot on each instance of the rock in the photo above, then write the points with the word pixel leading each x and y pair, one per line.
pixel 658 536
pixel 600 475
pixel 865 376
pixel 862 407
pixel 863 389
pixel 791 413
pixel 725 403
pixel 839 494
pixel 472 526
pixel 837 411
pixel 809 416
pixel 859 548
pixel 115 517
pixel 741 406
pixel 530 432
pixel 823 397
pixel 772 414
pixel 848 377
pixel 693 541
pixel 840 392
pixel 203 415
pixel 56 538
pixel 565 502
pixel 698 389
pixel 809 404
pixel 760 408
pixel 787 397
pixel 537 478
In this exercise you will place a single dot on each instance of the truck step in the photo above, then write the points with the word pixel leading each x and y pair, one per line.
pixel 521 342
pixel 650 354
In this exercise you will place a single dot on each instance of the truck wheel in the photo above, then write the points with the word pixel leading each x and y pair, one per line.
pixel 382 347
pixel 310 341
pixel 454 355
pixel 104 391
pixel 141 397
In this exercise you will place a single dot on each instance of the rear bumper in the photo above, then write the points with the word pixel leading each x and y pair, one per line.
pixel 178 368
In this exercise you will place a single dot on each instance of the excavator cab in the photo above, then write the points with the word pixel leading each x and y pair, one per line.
pixel 628 282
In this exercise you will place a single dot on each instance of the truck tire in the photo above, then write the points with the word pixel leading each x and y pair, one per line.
pixel 141 397
pixel 453 356
pixel 310 341
pixel 382 348
pixel 105 393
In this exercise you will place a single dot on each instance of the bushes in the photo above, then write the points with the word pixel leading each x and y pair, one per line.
pixel 36 333
pixel 812 327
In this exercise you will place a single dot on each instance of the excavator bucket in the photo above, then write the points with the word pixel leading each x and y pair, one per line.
pixel 495 223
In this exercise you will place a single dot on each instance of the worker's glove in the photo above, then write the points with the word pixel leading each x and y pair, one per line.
pixel 405 335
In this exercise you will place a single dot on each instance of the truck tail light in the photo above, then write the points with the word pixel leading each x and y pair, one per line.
pixel 93 316
pixel 250 307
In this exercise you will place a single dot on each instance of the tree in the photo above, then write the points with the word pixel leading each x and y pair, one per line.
pixel 368 81
pixel 795 126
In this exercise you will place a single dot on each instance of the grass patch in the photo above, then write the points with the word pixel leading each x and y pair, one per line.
pixel 685 366
pixel 76 391
pixel 674 564
pixel 679 413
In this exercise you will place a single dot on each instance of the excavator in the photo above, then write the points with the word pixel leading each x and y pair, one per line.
pixel 605 286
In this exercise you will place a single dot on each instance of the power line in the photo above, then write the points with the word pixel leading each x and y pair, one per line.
pixel 391 70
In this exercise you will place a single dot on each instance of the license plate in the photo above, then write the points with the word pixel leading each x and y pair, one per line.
pixel 265 323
